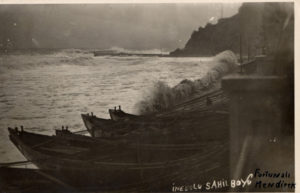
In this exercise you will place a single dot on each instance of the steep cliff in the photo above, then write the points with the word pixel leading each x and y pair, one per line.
pixel 257 27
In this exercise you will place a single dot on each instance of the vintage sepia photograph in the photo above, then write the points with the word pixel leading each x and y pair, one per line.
pixel 147 97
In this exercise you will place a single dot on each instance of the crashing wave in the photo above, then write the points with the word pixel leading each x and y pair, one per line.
pixel 163 96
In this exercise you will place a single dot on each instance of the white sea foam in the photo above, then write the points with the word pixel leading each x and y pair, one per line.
pixel 162 96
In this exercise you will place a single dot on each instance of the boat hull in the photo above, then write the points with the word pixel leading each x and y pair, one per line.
pixel 118 115
pixel 114 174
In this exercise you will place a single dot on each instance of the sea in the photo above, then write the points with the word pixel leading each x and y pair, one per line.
pixel 44 90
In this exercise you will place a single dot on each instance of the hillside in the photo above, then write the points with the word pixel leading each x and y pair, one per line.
pixel 260 27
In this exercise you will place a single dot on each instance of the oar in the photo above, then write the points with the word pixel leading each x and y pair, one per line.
pixel 55 180
pixel 15 163
pixel 81 131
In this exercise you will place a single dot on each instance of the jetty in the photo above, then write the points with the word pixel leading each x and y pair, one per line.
pixel 124 54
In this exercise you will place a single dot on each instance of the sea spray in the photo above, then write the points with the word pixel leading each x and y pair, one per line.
pixel 162 96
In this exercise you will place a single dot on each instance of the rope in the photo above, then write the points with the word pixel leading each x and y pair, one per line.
pixel 54 179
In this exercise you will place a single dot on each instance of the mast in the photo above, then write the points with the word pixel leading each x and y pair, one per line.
pixel 248 48
pixel 241 49
pixel 241 38
pixel 221 10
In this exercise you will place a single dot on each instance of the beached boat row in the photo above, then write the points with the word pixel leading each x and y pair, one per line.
pixel 151 151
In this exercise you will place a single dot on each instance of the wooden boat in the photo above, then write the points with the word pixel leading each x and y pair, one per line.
pixel 128 144
pixel 99 127
pixel 198 103
pixel 111 167
pixel 118 114
pixel 123 123
pixel 187 128
pixel 215 99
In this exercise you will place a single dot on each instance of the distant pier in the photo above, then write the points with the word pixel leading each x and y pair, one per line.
pixel 110 53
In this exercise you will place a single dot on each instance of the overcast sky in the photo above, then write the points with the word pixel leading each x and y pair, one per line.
pixel 131 26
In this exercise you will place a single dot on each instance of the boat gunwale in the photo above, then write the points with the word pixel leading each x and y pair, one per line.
pixel 145 165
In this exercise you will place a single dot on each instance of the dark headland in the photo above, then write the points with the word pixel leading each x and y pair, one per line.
pixel 254 30
pixel 250 33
